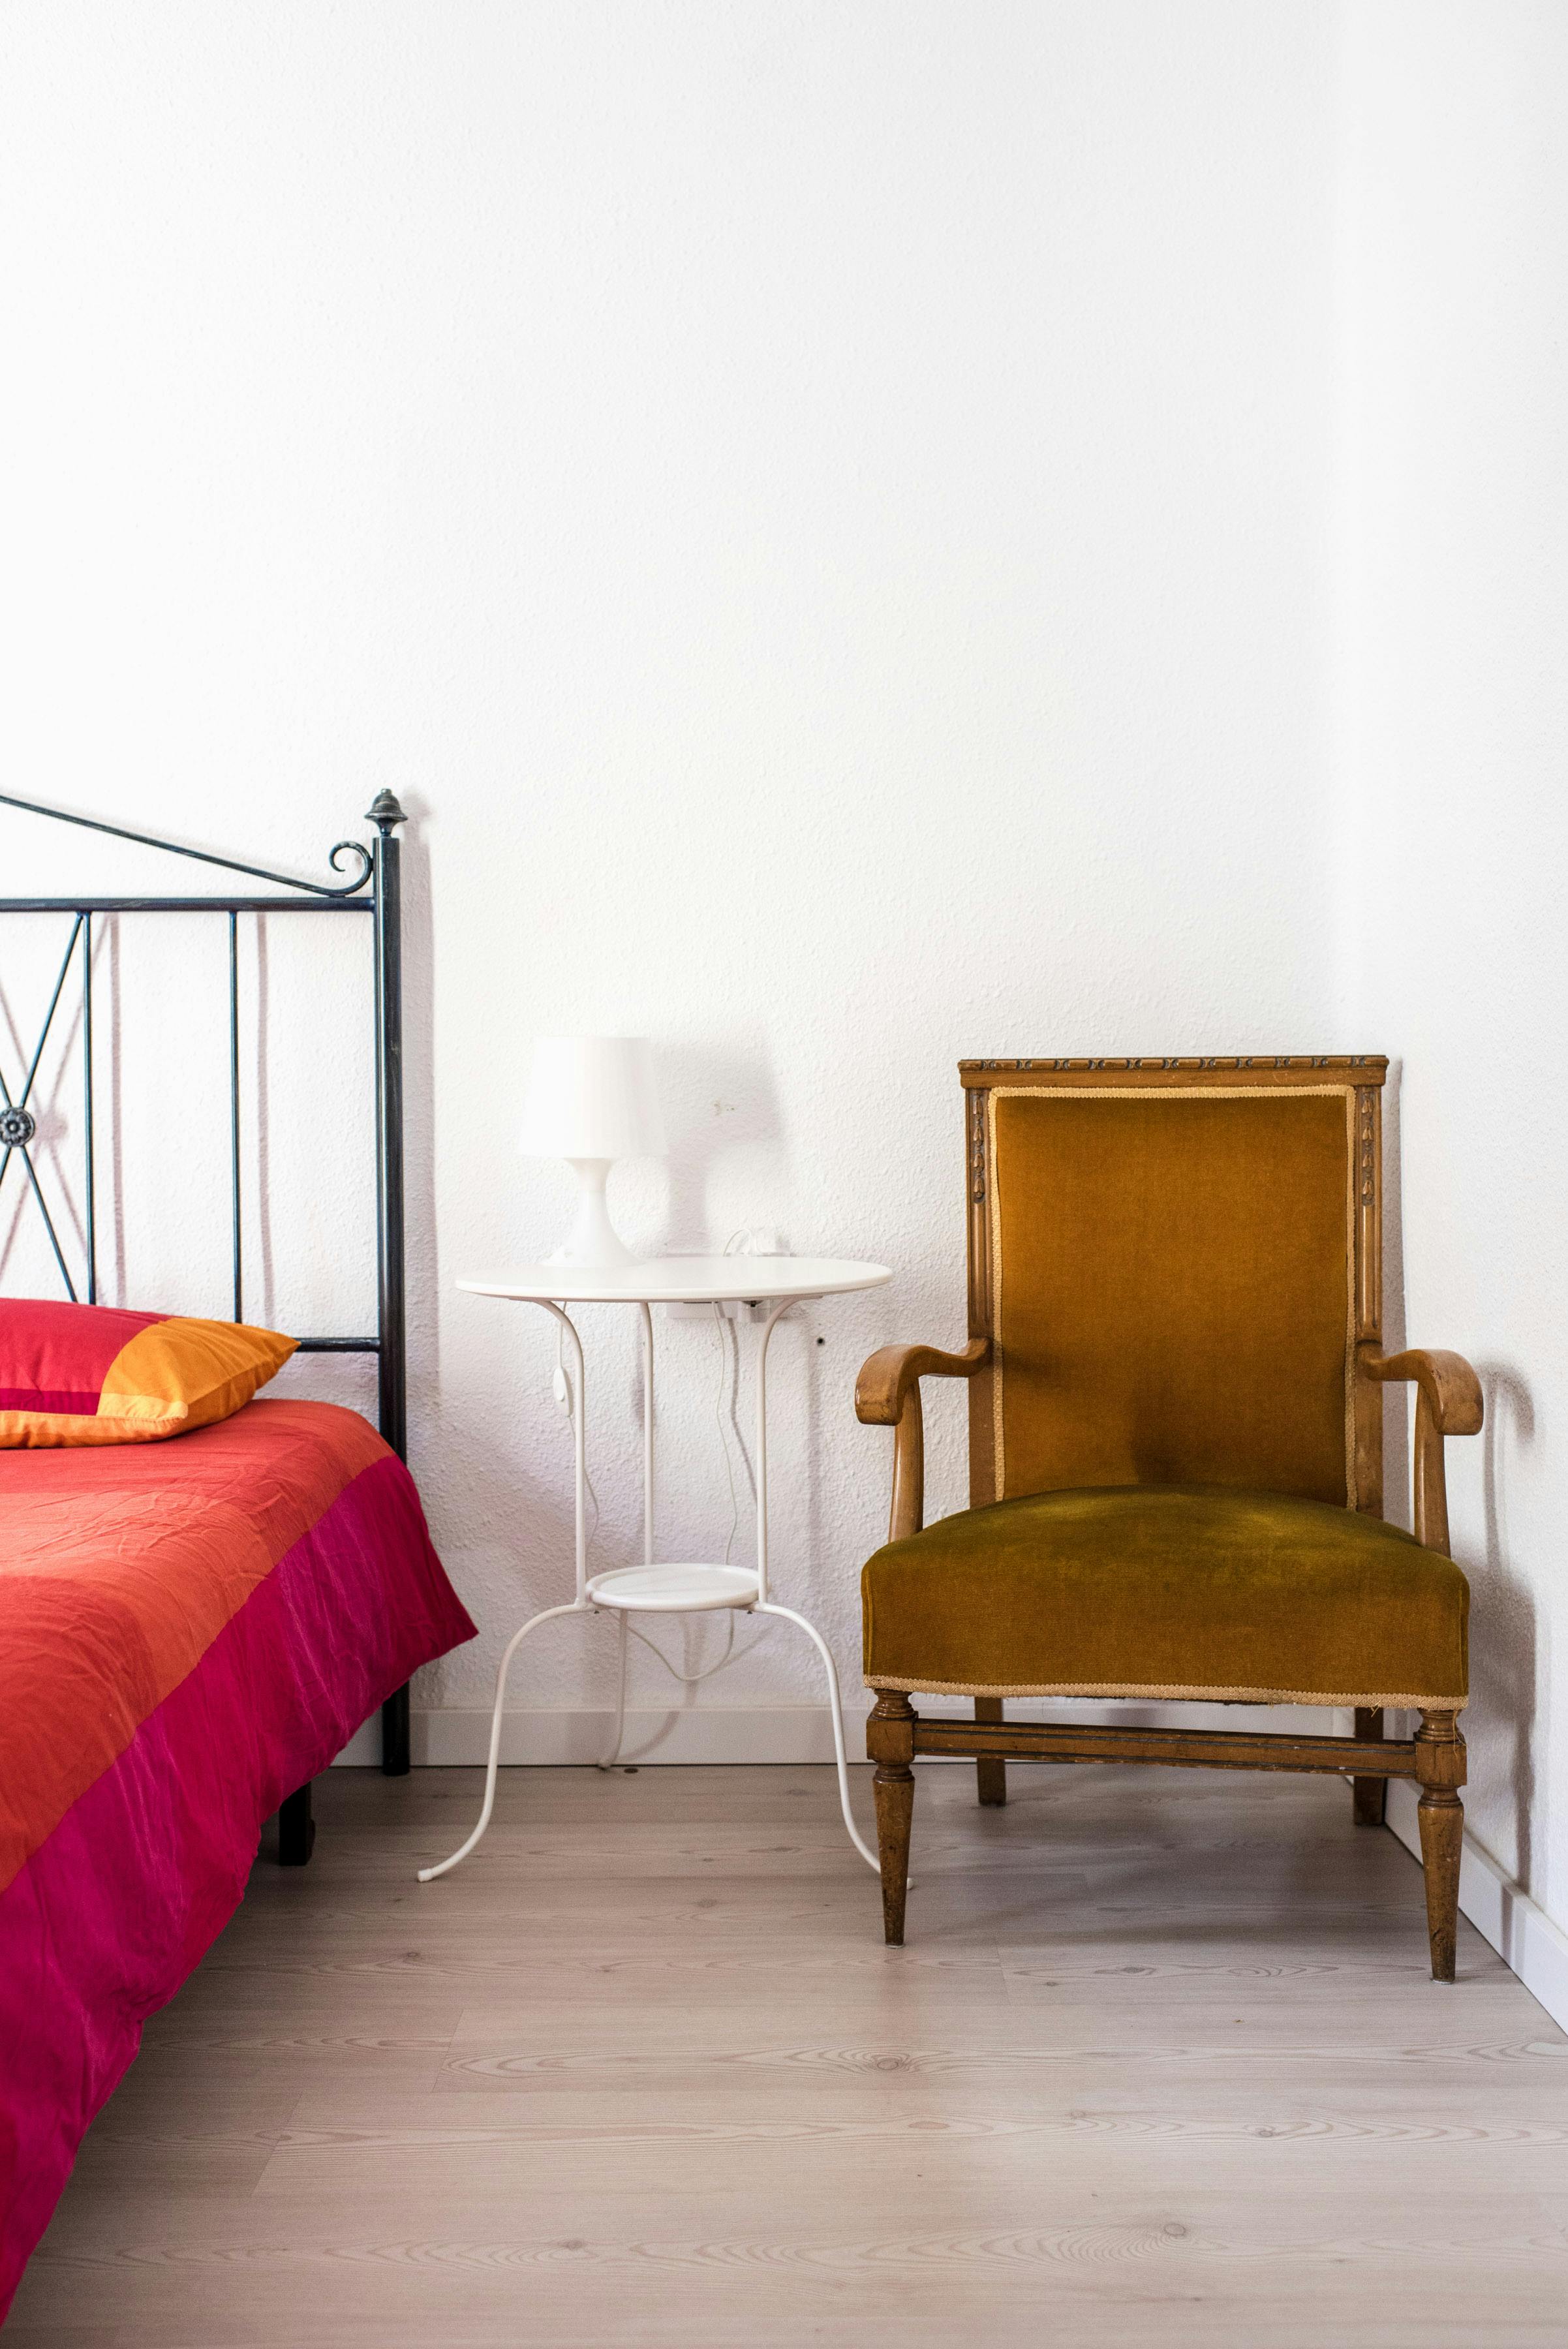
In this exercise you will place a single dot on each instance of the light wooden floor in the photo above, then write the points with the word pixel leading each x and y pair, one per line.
pixel 1160 2064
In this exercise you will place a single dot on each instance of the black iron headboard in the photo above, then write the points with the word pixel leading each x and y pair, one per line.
pixel 376 889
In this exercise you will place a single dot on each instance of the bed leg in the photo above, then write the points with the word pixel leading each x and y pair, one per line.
pixel 394 1734
pixel 295 1829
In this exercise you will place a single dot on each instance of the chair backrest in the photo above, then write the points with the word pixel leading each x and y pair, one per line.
pixel 1176 1261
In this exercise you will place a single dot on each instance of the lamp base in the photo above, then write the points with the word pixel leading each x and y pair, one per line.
pixel 593 1244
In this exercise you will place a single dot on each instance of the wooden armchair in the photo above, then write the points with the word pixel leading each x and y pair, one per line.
pixel 1176 1448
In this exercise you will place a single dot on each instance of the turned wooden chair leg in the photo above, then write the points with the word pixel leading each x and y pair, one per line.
pixel 990 1770
pixel 1440 1815
pixel 1368 1796
pixel 890 1742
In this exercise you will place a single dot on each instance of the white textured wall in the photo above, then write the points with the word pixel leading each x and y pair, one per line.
pixel 823 511
pixel 1454 839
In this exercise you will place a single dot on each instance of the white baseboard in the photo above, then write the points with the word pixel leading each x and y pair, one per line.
pixel 709 1733
pixel 1522 1934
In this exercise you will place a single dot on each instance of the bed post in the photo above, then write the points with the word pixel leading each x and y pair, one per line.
pixel 385 814
pixel 295 1829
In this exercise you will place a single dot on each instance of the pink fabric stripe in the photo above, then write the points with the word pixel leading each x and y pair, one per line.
pixel 111 1915
pixel 44 1398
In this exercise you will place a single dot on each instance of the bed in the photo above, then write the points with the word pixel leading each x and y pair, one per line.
pixel 189 1629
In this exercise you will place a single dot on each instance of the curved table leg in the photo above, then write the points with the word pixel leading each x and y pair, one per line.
pixel 573 1606
pixel 770 1607
pixel 613 1756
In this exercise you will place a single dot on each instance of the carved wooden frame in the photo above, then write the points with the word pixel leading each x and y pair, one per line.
pixel 1359 1076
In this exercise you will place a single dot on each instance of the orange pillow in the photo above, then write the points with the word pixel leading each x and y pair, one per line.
pixel 94 1374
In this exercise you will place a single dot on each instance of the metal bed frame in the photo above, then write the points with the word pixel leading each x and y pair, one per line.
pixel 376 889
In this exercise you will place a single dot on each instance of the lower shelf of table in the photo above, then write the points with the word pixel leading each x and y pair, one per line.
pixel 674 1589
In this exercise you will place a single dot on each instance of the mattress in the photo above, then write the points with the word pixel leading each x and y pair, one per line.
pixel 189 1630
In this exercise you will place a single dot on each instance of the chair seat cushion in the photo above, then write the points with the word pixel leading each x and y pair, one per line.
pixel 1168 1591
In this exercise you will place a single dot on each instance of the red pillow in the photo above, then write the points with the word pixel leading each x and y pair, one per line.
pixel 96 1374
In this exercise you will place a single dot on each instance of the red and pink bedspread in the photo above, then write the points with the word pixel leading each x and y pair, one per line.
pixel 189 1630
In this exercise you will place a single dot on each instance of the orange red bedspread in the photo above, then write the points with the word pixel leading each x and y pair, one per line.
pixel 188 1631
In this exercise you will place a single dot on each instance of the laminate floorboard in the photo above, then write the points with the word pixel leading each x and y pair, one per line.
pixel 1161 2062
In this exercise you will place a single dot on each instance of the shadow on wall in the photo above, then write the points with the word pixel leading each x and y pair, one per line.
pixel 1502 1619
pixel 1502 1623
pixel 720 1111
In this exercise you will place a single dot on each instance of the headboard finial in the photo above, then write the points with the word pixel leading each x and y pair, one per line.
pixel 385 811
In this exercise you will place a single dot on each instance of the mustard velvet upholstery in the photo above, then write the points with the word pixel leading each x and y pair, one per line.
pixel 1171 1275
pixel 1174 1591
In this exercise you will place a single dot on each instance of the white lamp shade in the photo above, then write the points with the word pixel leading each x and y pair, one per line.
pixel 591 1097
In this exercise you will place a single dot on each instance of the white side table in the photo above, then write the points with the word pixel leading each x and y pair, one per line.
pixel 673 1589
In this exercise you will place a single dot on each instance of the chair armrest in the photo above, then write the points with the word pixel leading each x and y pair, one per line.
pixel 887 1375
pixel 1450 1388
pixel 1448 1402
pixel 888 1394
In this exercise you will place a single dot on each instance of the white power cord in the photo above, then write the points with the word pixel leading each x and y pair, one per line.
pixel 567 1401
pixel 722 1408
pixel 738 1244
pixel 691 1679
pixel 725 1408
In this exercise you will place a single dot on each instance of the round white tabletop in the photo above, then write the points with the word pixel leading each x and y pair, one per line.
pixel 683 1281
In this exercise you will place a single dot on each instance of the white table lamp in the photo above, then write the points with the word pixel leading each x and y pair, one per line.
pixel 591 1100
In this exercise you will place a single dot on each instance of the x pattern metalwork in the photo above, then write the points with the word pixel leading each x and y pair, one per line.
pixel 18 1126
